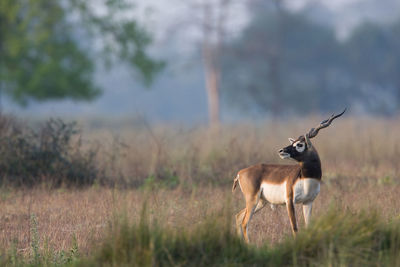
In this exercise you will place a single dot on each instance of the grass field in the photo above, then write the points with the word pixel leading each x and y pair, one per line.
pixel 184 176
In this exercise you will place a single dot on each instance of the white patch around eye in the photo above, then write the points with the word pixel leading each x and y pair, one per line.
pixel 300 146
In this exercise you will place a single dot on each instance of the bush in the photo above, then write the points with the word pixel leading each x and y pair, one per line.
pixel 51 153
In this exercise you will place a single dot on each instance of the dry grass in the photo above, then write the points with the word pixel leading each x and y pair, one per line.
pixel 360 148
pixel 360 166
pixel 86 214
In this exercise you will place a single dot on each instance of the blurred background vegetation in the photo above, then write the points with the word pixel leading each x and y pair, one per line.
pixel 205 61
pixel 48 49
pixel 287 62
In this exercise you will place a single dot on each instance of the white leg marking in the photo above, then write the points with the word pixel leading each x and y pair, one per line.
pixel 307 208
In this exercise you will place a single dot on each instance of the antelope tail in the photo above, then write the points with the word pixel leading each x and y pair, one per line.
pixel 235 183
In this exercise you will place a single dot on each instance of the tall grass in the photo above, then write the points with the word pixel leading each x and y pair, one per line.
pixel 169 156
pixel 336 239
pixel 363 148
pixel 345 239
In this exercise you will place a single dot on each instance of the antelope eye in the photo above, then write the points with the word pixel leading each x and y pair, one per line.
pixel 299 145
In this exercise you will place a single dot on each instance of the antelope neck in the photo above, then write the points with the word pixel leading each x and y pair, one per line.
pixel 311 168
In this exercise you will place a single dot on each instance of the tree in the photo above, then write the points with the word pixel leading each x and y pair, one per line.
pixel 208 21
pixel 285 62
pixel 281 63
pixel 48 48
pixel 214 19
pixel 372 53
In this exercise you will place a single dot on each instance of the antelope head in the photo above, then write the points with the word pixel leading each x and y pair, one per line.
pixel 299 148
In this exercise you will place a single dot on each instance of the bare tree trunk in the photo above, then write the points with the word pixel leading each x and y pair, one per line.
pixel 210 54
pixel 213 30
pixel 212 77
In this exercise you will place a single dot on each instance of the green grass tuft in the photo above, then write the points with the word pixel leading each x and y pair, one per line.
pixel 338 238
pixel 335 239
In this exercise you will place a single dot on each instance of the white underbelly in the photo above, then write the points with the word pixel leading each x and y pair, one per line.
pixel 274 193
pixel 306 190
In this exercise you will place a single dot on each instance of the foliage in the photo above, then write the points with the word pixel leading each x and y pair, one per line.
pixel 48 48
pixel 51 154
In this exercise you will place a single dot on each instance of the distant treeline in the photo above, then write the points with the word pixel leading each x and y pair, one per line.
pixel 285 63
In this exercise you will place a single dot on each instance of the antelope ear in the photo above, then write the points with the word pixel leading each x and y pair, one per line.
pixel 291 140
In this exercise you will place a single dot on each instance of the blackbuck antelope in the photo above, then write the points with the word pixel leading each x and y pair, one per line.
pixel 283 184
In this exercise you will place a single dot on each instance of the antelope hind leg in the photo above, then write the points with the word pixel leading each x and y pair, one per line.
pixel 239 221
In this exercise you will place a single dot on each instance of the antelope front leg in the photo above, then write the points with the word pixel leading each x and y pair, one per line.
pixel 307 209
pixel 292 216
